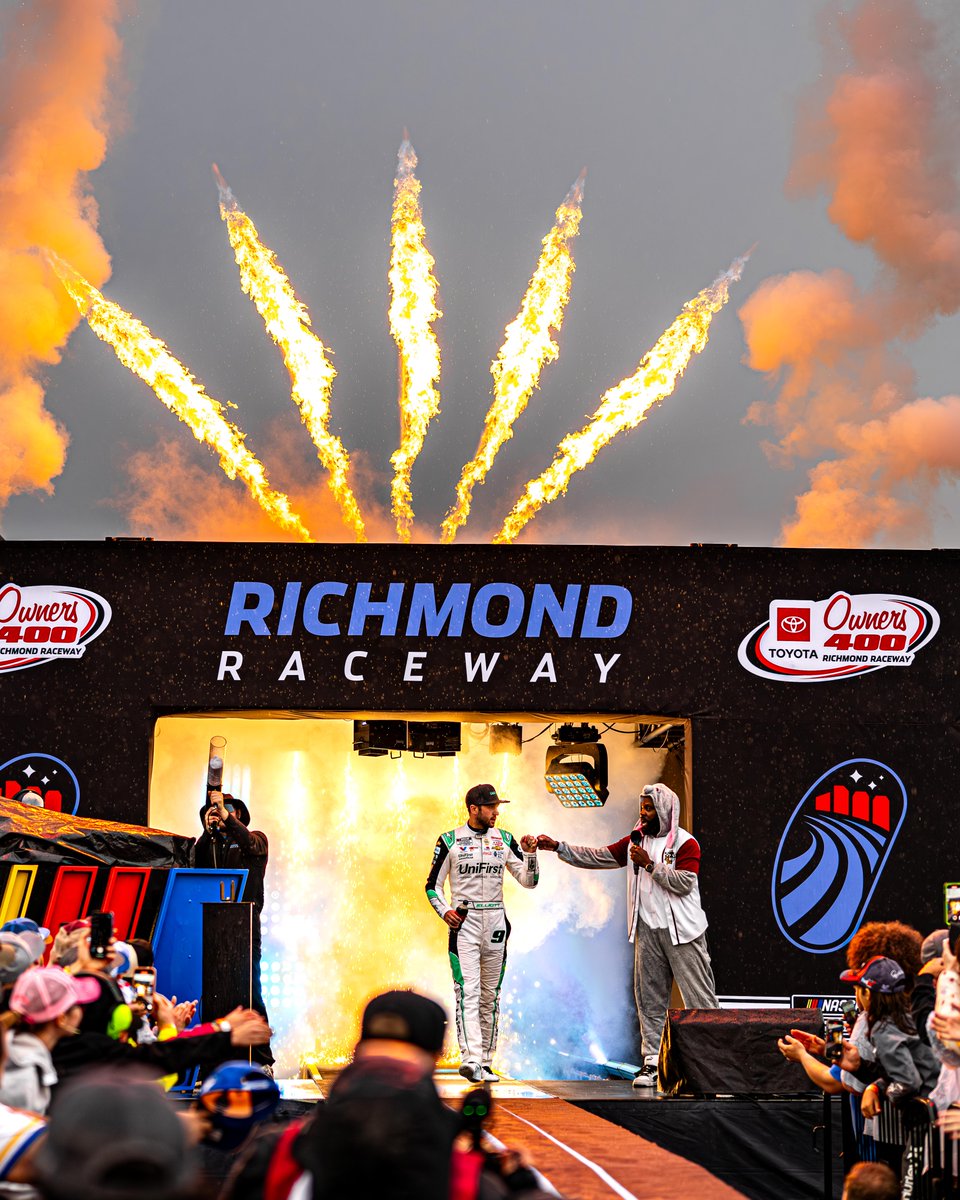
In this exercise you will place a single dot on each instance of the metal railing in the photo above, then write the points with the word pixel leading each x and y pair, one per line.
pixel 928 1161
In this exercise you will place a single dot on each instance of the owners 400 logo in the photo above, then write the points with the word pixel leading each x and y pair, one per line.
pixel 47 623
pixel 808 641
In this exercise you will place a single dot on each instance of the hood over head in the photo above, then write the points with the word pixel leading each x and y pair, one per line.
pixel 667 804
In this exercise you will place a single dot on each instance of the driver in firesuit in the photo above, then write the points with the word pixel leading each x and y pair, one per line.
pixel 473 857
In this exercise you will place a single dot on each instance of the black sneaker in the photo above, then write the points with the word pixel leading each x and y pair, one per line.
pixel 647 1078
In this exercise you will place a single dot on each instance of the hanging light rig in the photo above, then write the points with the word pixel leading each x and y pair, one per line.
pixel 575 770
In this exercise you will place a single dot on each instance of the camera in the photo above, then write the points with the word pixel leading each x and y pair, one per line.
pixel 474 1112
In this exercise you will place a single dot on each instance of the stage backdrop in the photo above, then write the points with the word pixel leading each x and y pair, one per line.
pixel 821 686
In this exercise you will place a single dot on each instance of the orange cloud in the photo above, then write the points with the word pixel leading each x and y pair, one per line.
pixel 53 97
pixel 883 144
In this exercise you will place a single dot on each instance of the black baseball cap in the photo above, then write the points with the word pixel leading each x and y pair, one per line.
pixel 111 1136
pixel 484 793
pixel 405 1017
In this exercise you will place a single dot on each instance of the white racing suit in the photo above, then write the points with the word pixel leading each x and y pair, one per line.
pixel 473 863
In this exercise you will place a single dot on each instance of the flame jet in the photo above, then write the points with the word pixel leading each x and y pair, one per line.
pixel 413 309
pixel 304 354
pixel 526 350
pixel 625 406
pixel 148 357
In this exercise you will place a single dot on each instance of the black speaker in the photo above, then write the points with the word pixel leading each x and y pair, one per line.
pixel 733 1050
pixel 227 959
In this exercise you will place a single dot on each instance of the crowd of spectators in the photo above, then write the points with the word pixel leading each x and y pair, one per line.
pixel 898 1058
pixel 88 1056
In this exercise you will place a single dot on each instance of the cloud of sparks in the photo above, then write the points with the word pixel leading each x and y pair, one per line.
pixel 345 914
pixel 147 357
pixel 627 404
pixel 288 322
pixel 413 311
pixel 527 348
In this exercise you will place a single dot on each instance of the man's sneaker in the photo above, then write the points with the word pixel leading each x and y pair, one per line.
pixel 647 1078
pixel 472 1071
pixel 489 1076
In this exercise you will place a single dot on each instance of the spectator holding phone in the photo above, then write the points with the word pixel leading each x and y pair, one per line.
pixel 902 1059
pixel 944 1032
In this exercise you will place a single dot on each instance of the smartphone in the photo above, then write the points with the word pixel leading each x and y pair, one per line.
pixel 951 912
pixel 101 931
pixel 144 985
pixel 833 1039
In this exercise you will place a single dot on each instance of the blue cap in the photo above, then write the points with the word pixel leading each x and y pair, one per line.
pixel 25 925
pixel 879 974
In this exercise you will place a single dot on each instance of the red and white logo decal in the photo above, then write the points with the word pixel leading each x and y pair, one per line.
pixel 810 641
pixel 47 624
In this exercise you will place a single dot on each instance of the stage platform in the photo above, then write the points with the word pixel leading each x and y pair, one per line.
pixel 596 1139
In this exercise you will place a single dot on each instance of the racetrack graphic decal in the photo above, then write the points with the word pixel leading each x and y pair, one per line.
pixel 833 851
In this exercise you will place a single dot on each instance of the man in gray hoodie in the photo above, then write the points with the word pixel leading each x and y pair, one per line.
pixel 665 920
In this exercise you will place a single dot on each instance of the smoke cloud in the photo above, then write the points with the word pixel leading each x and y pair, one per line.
pixel 172 494
pixel 53 95
pixel 882 145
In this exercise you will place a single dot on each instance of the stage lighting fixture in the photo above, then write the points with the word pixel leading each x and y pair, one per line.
pixel 373 739
pixel 576 773
pixel 505 739
pixel 437 739
pixel 575 734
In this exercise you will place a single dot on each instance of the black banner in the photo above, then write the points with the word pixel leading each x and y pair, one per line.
pixel 794 667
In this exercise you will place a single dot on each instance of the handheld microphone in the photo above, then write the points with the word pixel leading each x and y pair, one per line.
pixel 636 837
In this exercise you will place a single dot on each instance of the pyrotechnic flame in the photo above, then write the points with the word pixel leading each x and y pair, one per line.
pixel 625 406
pixel 413 309
pixel 304 354
pixel 148 357
pixel 526 350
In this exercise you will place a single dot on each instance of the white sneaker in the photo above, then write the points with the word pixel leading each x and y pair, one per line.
pixel 472 1071
pixel 647 1078
pixel 488 1075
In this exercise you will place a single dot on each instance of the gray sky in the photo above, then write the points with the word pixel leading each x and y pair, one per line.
pixel 683 113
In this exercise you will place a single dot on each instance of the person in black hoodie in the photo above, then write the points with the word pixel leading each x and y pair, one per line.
pixel 228 842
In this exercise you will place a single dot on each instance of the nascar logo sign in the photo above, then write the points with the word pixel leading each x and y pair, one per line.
pixel 47 623
pixel 810 641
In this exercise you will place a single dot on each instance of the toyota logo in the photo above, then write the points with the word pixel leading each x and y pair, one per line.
pixel 793 624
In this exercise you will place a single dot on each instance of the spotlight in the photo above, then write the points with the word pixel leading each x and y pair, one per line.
pixel 438 739
pixel 505 739
pixel 373 739
pixel 576 773
pixel 574 734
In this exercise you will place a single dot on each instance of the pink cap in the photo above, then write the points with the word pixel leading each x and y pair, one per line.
pixel 44 993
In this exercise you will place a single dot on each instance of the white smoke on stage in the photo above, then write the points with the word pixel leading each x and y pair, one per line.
pixel 351 841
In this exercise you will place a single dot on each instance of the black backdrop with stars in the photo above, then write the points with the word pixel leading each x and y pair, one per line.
pixel 758 744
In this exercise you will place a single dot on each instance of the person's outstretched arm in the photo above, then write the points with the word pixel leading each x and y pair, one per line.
pixel 592 858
